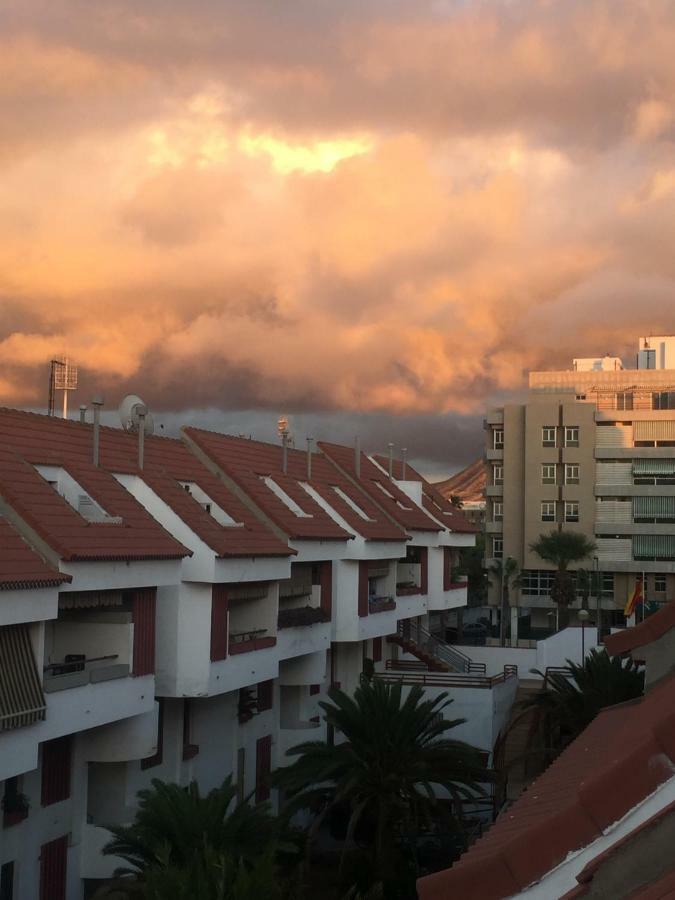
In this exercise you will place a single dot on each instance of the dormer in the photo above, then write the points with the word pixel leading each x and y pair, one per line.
pixel 75 495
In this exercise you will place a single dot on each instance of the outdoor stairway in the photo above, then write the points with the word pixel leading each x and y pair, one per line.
pixel 433 652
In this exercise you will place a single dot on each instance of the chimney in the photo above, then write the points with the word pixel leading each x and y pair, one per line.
pixel 284 451
pixel 141 411
pixel 391 460
pixel 83 414
pixel 357 456
pixel 310 441
pixel 404 450
pixel 97 403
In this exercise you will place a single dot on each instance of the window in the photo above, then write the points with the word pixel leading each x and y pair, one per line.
pixel 547 511
pixel 624 400
pixel 571 435
pixel 660 584
pixel 571 511
pixel 548 436
pixel 497 548
pixel 663 400
pixel 608 584
pixel 498 438
pixel 548 473
pixel 56 770
pixel 536 582
pixel 498 474
pixel 571 473
pixel 497 511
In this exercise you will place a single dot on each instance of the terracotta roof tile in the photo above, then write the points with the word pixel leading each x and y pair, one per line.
pixel 28 439
pixel 20 565
pixel 247 462
pixel 433 501
pixel 385 492
pixel 653 627
pixel 621 758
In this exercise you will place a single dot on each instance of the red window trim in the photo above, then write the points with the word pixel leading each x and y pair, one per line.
pixel 56 766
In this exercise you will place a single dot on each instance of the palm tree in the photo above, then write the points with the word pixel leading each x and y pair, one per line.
pixel 571 699
pixel 180 837
pixel 563 548
pixel 388 771
pixel 507 572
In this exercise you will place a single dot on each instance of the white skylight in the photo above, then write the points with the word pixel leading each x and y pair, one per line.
pixel 351 503
pixel 390 495
pixel 285 499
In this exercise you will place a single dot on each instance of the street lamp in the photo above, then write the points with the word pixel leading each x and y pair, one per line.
pixel 583 615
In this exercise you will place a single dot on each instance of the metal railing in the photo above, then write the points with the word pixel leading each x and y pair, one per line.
pixel 409 630
pixel 409 675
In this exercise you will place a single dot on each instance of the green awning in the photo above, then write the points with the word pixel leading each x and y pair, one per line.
pixel 654 546
pixel 654 507
pixel 654 467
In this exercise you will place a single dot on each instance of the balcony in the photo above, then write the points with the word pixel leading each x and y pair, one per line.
pixel 251 620
pixel 85 649
pixel 304 624
pixel 408 578
pixel 385 603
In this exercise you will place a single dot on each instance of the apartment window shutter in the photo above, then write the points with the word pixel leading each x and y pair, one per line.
pixel 156 758
pixel 654 507
pixel 326 582
pixel 377 649
pixel 56 758
pixel 22 701
pixel 265 695
pixel 424 570
pixel 53 867
pixel 144 606
pixel 363 588
pixel 654 467
pixel 658 430
pixel 218 623
pixel 654 546
pixel 263 768
pixel 447 568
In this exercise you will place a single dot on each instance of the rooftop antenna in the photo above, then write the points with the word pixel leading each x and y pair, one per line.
pixel 310 441
pixel 357 456
pixel 62 377
pixel 404 450
pixel 391 459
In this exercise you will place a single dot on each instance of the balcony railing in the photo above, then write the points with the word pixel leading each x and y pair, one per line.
pixel 410 673
pixel 78 669
pixel 302 616
pixel 249 640
pixel 381 604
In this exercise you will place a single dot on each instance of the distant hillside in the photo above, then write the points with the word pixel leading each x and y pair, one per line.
pixel 469 484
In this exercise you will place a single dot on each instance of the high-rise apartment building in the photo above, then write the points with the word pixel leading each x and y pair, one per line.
pixel 592 450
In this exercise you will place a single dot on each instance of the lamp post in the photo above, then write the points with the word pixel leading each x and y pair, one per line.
pixel 598 597
pixel 583 615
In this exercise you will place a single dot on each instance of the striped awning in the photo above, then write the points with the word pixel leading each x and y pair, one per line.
pixel 654 546
pixel 654 467
pixel 654 430
pixel 654 507
pixel 22 700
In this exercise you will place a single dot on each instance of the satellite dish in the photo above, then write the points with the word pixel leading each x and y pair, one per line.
pixel 130 411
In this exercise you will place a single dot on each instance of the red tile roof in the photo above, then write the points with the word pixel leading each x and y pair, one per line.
pixel 387 495
pixel 28 439
pixel 20 565
pixel 432 500
pixel 621 758
pixel 662 889
pixel 246 462
pixel 653 627
pixel 612 854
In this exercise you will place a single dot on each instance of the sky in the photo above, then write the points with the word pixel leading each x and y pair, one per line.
pixel 373 215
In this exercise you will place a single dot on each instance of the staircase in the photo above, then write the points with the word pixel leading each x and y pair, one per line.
pixel 433 652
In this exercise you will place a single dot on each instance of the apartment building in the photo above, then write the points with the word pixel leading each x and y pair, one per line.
pixel 590 450
pixel 177 609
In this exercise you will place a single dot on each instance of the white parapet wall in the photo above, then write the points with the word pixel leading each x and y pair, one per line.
pixel 553 651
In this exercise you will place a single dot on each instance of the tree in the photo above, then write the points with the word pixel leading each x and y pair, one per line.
pixel 181 839
pixel 562 548
pixel 570 700
pixel 508 575
pixel 388 772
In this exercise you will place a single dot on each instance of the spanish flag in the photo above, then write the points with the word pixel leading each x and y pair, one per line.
pixel 636 597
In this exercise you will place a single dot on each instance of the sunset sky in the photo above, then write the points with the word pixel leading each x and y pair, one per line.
pixel 348 211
